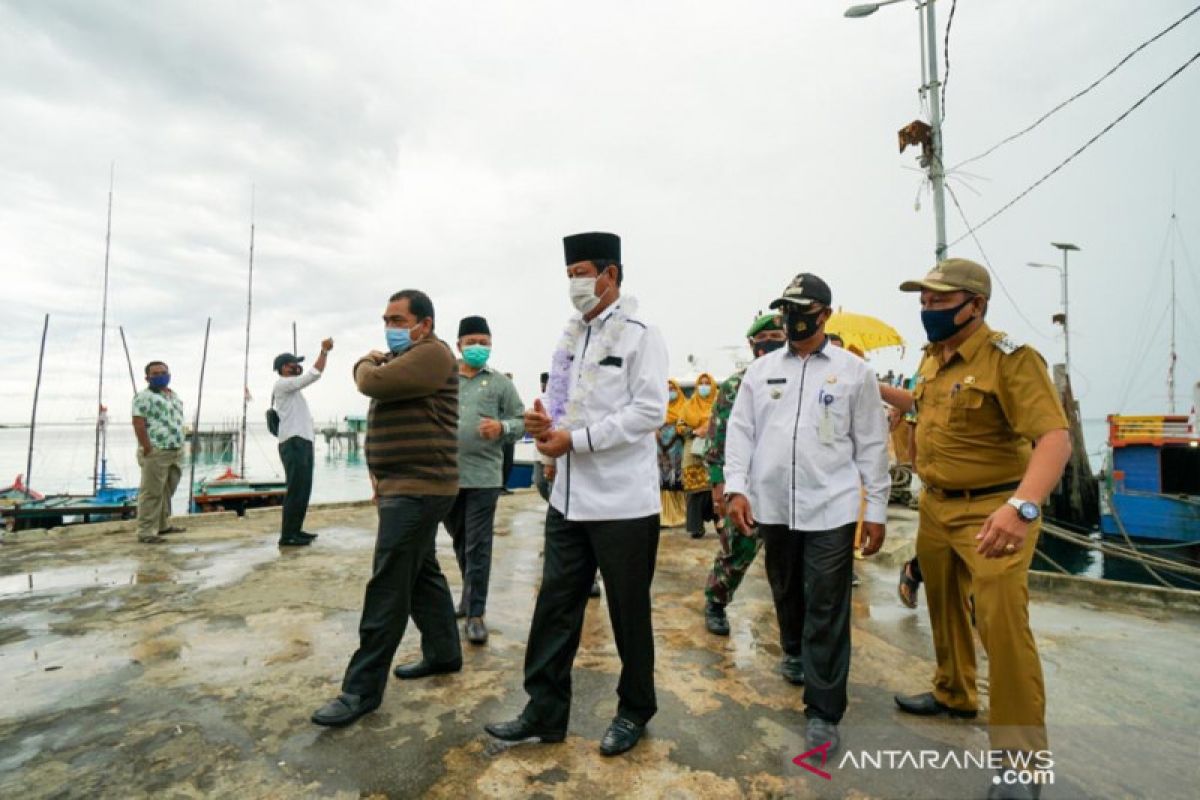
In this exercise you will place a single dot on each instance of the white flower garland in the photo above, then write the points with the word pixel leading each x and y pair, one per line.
pixel 570 415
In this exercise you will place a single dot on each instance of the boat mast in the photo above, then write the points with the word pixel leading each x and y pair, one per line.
pixel 246 362
pixel 37 387
pixel 196 421
pixel 100 460
pixel 1171 362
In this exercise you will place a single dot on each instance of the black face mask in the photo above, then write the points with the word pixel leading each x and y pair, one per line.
pixel 766 346
pixel 802 326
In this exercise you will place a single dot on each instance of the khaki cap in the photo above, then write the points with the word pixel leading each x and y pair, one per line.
pixel 954 275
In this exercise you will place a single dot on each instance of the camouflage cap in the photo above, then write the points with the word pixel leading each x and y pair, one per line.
pixel 953 275
pixel 764 322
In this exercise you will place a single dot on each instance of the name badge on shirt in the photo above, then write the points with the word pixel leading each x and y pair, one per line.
pixel 825 426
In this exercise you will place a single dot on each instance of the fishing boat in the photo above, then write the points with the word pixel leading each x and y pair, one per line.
pixel 1151 474
pixel 26 509
pixel 1151 478
pixel 232 491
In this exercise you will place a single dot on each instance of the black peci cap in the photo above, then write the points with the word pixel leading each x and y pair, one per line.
pixel 595 246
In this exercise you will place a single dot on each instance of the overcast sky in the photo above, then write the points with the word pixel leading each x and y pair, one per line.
pixel 449 146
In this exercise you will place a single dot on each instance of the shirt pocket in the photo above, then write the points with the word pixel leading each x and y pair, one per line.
pixel 833 404
pixel 966 407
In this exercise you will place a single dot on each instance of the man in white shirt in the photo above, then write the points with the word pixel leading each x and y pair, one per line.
pixel 807 433
pixel 606 397
pixel 296 440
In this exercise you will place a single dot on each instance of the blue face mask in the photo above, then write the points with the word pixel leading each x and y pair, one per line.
pixel 476 355
pixel 939 323
pixel 704 390
pixel 673 395
pixel 160 381
pixel 398 339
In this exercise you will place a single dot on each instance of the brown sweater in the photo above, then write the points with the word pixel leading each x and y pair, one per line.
pixel 412 427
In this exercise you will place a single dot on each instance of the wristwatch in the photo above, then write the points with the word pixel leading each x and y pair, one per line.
pixel 1028 511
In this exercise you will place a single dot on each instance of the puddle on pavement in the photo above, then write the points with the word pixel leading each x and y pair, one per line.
pixel 64 579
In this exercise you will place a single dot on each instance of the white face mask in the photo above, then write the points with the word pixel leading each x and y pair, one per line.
pixel 583 294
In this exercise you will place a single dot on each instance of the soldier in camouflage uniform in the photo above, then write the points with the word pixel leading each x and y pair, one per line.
pixel 737 549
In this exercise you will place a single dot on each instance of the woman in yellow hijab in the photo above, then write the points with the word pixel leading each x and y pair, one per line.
pixel 670 459
pixel 695 417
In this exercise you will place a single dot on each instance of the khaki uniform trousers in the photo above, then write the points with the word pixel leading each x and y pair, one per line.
pixel 160 477
pixel 954 572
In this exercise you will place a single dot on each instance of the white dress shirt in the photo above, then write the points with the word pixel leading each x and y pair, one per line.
pixel 804 435
pixel 611 472
pixel 294 417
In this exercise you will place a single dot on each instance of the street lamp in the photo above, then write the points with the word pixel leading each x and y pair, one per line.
pixel 1063 318
pixel 867 9
pixel 936 170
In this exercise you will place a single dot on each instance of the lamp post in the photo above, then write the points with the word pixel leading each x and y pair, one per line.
pixel 932 86
pixel 1062 271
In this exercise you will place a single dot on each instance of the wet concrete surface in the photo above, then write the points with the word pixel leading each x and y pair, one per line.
pixel 190 670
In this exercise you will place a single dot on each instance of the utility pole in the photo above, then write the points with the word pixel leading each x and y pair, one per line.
pixel 1066 248
pixel 930 87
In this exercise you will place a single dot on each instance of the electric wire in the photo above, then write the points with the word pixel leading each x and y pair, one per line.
pixel 1073 97
pixel 1080 149
pixel 946 56
pixel 1016 306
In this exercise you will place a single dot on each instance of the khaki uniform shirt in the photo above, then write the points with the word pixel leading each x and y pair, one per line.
pixel 979 413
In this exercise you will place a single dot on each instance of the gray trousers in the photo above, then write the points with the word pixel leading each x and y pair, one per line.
pixel 160 479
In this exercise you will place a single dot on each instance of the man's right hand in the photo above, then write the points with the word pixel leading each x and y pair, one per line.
pixel 327 345
pixel 549 471
pixel 740 513
pixel 377 356
pixel 537 421
pixel 146 449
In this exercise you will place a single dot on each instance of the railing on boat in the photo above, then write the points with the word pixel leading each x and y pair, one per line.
pixel 1151 430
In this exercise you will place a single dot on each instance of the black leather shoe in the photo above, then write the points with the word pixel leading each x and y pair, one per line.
pixel 309 536
pixel 477 632
pixel 715 620
pixel 926 705
pixel 518 730
pixel 344 709
pixel 818 732
pixel 423 668
pixel 621 735
pixel 792 670
pixel 999 790
pixel 294 541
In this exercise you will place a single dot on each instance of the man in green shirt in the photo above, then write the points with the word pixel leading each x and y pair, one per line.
pixel 490 413
pixel 158 424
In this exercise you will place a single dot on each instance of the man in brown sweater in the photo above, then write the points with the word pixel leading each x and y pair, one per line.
pixel 412 453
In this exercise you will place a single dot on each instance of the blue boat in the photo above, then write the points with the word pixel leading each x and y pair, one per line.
pixel 1151 479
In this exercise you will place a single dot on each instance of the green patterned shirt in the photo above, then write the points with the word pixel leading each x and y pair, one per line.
pixel 163 412
pixel 714 456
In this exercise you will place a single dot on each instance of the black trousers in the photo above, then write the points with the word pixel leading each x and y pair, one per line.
pixel 508 458
pixel 811 573
pixel 471 524
pixel 407 581
pixel 625 552
pixel 297 456
pixel 700 509
pixel 539 480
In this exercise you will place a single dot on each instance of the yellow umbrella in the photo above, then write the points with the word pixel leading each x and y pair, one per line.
pixel 867 333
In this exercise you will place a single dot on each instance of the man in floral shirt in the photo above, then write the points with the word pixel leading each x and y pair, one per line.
pixel 737 549
pixel 158 423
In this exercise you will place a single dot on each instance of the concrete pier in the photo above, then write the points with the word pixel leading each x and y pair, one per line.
pixel 190 670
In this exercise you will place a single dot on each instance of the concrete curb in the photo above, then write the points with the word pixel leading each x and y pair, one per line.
pixel 1056 586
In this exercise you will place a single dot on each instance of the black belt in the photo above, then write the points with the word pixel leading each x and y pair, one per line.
pixel 952 494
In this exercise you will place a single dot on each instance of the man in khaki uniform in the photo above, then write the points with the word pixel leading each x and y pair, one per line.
pixel 982 404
